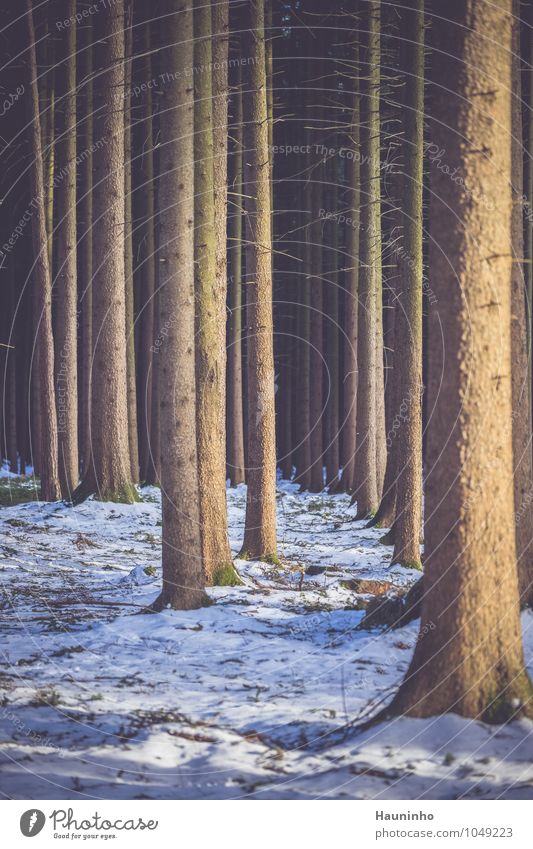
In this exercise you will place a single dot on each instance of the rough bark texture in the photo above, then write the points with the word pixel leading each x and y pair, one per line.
pixel 349 384
pixel 128 249
pixel 182 563
pixel 315 281
pixel 235 425
pixel 50 487
pixel 366 478
pixel 468 657
pixel 408 523
pixel 260 523
pixel 66 332
pixel 210 316
pixel 331 325
pixel 85 239
pixel 144 214
pixel 523 459
pixel 109 473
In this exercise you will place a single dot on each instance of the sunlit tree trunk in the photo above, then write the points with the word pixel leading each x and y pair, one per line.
pixel 210 317
pixel 260 523
pixel 109 473
pixel 468 656
pixel 183 575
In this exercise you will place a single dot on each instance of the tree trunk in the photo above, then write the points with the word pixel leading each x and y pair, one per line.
pixel 260 523
pixel 144 214
pixel 235 425
pixel 520 377
pixel 128 249
pixel 85 238
pixel 366 476
pixel 182 563
pixel 349 383
pixel 109 474
pixel 66 333
pixel 408 523
pixel 314 250
pixel 210 317
pixel 468 657
pixel 50 487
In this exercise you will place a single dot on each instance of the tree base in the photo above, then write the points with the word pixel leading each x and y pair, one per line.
pixel 125 494
pixel 227 576
pixel 192 600
pixel 388 538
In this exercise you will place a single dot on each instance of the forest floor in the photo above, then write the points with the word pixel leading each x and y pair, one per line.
pixel 248 698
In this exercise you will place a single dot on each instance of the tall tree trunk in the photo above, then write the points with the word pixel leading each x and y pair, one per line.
pixel 66 334
pixel 235 425
pixel 520 376
pixel 408 524
pixel 468 657
pixel 50 487
pixel 315 281
pixel 366 473
pixel 85 237
pixel 109 474
pixel 331 327
pixel 144 214
pixel 260 523
pixel 182 563
pixel 128 248
pixel 349 382
pixel 301 413
pixel 211 311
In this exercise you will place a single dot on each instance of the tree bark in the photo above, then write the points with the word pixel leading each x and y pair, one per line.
pixel 520 375
pixel 468 657
pixel 128 249
pixel 235 425
pixel 109 474
pixel 66 332
pixel 366 473
pixel 210 317
pixel 182 562
pixel 145 240
pixel 349 383
pixel 408 522
pixel 50 486
pixel 260 523
pixel 85 238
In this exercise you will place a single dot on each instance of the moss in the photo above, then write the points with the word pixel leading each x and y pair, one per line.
pixel 412 564
pixel 273 559
pixel 506 706
pixel 126 494
pixel 227 576
pixel 151 571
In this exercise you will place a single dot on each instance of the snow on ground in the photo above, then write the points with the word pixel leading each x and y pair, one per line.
pixel 244 699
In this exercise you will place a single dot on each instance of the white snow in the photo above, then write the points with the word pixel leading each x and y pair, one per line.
pixel 246 698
